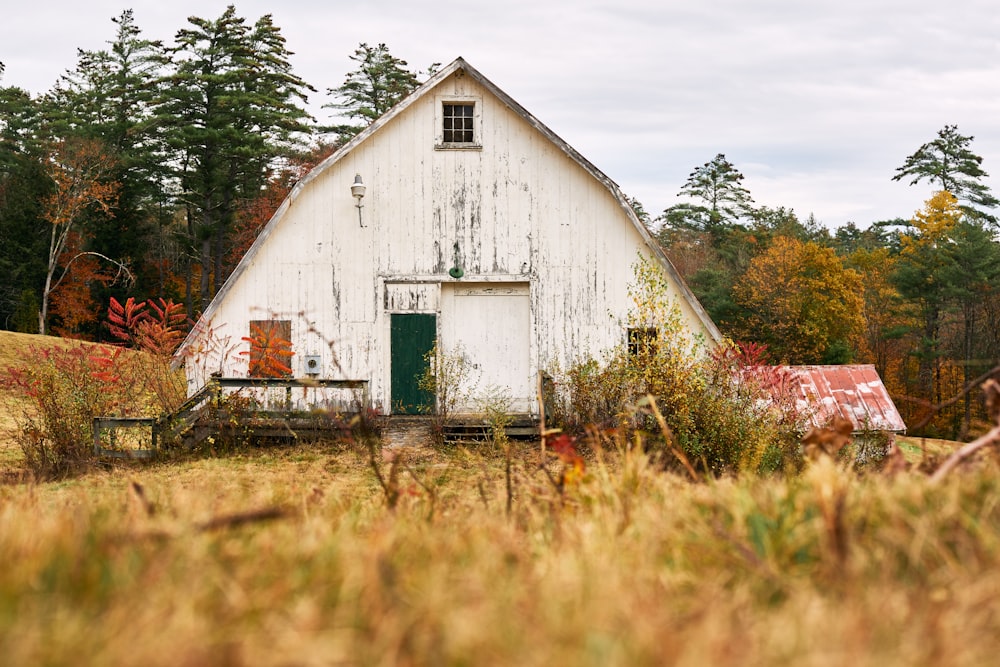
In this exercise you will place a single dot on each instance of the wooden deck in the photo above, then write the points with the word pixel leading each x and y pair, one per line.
pixel 269 410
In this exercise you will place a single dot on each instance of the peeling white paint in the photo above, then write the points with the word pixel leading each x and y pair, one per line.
pixel 522 211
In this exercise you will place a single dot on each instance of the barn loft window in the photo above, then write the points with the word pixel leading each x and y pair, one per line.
pixel 270 348
pixel 458 123
pixel 641 341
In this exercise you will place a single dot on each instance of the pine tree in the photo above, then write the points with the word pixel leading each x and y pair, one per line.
pixel 949 164
pixel 230 108
pixel 108 97
pixel 720 198
pixel 23 231
pixel 379 83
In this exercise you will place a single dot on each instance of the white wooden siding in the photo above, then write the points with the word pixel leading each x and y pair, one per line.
pixel 520 209
pixel 489 325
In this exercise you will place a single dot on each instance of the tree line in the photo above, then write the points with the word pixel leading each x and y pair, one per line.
pixel 149 168
pixel 917 297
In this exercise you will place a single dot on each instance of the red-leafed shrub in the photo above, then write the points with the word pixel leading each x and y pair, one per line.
pixel 66 385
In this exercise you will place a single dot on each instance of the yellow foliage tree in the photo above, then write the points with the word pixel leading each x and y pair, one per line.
pixel 885 320
pixel 920 277
pixel 803 302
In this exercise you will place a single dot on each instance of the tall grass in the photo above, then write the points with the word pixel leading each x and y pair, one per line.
pixel 630 566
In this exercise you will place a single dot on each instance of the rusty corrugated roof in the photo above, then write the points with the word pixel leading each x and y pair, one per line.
pixel 854 392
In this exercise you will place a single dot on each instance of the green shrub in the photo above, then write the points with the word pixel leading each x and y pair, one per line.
pixel 724 408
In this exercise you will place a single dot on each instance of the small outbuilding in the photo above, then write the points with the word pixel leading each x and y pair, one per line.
pixel 457 219
pixel 853 392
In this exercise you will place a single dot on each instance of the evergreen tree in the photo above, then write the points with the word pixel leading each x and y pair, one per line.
pixel 948 163
pixel 720 199
pixel 706 239
pixel 971 277
pixel 920 279
pixel 23 185
pixel 379 83
pixel 230 108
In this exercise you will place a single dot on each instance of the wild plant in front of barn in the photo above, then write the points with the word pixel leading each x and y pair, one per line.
pixel 270 354
pixel 155 327
pixel 67 385
pixel 496 408
pixel 446 377
pixel 722 419
pixel 756 406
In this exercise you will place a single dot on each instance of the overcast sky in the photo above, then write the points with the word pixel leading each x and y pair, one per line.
pixel 816 102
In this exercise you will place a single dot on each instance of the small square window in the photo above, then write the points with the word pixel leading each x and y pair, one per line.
pixel 458 125
pixel 641 341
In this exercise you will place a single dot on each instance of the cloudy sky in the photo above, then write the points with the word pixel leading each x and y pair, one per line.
pixel 816 102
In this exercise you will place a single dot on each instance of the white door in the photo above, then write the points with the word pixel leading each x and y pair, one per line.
pixel 489 325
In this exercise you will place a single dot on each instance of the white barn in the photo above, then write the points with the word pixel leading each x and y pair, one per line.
pixel 478 228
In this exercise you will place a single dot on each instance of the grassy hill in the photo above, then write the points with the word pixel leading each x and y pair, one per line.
pixel 14 353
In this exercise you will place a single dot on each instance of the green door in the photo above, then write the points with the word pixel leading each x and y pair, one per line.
pixel 412 337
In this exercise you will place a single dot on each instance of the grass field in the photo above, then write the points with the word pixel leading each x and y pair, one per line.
pixel 293 556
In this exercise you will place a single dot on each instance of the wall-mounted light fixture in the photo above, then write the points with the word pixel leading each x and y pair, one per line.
pixel 358 191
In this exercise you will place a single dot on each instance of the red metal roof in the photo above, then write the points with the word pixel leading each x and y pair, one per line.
pixel 854 392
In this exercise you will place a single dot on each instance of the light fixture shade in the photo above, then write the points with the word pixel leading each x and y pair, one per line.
pixel 358 189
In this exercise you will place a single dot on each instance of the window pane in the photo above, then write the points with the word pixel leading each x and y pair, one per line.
pixel 457 123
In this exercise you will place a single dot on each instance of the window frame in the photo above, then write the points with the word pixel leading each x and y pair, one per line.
pixel 639 341
pixel 477 122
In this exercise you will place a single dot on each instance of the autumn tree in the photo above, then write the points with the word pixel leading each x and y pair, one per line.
pixel 885 320
pixel 79 170
pixel 949 164
pixel 380 81
pixel 108 97
pixel 802 302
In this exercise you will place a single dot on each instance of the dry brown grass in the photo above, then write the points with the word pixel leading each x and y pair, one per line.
pixel 925 451
pixel 631 567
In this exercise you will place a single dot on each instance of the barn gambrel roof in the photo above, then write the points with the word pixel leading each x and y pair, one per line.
pixel 458 65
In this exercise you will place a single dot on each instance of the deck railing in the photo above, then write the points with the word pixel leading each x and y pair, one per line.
pixel 117 437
